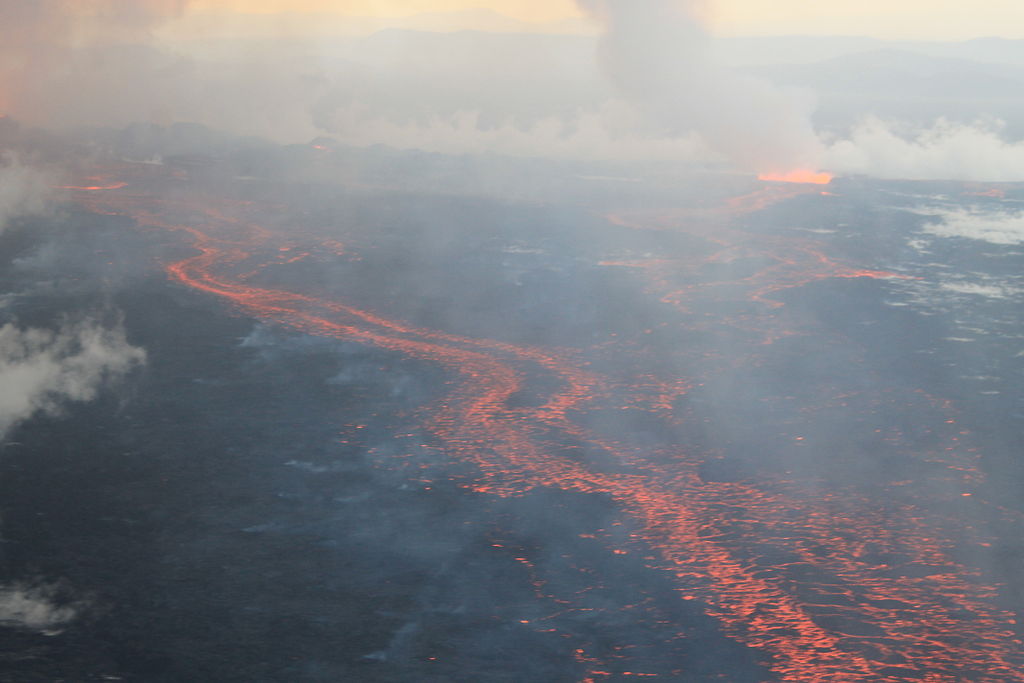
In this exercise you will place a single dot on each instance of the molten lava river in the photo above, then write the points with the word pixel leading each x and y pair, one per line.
pixel 744 494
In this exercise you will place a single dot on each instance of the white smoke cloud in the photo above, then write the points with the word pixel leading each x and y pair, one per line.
pixel 658 56
pixel 42 369
pixel 66 62
pixel 994 227
pixel 599 136
pixel 23 190
pixel 36 608
pixel 944 151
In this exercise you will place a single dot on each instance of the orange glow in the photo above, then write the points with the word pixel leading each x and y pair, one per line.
pixel 94 188
pixel 836 610
pixel 806 177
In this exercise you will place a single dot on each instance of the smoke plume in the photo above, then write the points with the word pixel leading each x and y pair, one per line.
pixel 23 190
pixel 41 608
pixel 944 151
pixel 656 53
pixel 40 369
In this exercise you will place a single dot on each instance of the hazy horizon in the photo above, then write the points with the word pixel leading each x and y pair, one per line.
pixel 760 104
pixel 914 20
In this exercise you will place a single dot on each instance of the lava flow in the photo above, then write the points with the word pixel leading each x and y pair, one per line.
pixel 94 188
pixel 834 585
pixel 800 176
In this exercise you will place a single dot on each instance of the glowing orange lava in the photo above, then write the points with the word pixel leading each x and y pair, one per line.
pixel 801 176
pixel 93 188
pixel 838 608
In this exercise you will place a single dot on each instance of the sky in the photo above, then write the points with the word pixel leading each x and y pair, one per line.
pixel 914 19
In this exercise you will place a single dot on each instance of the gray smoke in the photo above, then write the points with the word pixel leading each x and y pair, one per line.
pixel 40 370
pixel 23 190
pixel 657 55
pixel 40 608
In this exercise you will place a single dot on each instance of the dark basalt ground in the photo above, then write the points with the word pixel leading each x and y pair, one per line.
pixel 255 510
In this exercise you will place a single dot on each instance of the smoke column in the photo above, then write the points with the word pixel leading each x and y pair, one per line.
pixel 655 52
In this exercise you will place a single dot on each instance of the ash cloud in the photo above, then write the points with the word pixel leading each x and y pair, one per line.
pixel 41 370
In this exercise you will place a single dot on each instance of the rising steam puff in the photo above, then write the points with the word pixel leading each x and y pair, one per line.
pixel 40 369
pixel 656 54
pixel 40 608
pixel 23 190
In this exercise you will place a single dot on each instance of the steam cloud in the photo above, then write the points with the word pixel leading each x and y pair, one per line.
pixel 994 227
pixel 72 62
pixel 944 151
pixel 40 369
pixel 35 608
pixel 592 137
pixel 657 55
pixel 23 190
